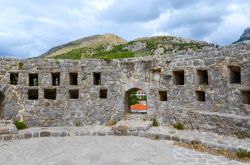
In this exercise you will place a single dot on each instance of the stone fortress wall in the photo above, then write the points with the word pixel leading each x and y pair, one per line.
pixel 207 90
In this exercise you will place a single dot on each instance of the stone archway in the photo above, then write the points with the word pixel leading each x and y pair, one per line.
pixel 135 101
pixel 1 105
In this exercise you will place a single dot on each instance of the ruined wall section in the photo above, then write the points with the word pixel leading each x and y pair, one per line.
pixel 223 110
pixel 11 104
pixel 88 108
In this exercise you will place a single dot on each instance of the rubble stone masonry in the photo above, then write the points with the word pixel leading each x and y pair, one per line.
pixel 207 90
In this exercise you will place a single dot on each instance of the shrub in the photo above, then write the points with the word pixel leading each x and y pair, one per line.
pixel 111 122
pixel 178 125
pixel 78 123
pixel 155 122
pixel 20 65
pixel 241 153
pixel 20 125
pixel 151 44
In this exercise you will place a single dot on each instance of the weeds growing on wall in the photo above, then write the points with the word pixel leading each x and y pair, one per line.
pixel 179 126
pixel 20 125
pixel 155 122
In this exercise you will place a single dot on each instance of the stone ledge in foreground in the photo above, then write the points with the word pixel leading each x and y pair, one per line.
pixel 208 139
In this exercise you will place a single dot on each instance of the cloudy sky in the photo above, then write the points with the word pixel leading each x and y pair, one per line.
pixel 30 27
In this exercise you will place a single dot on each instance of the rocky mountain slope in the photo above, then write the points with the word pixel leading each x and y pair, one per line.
pixel 87 42
pixel 109 46
pixel 245 36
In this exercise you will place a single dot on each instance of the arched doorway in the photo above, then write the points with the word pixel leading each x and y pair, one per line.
pixel 136 101
pixel 1 104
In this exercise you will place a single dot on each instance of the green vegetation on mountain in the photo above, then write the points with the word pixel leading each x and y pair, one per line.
pixel 109 47
pixel 115 52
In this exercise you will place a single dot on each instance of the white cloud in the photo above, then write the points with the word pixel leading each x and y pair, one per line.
pixel 101 5
pixel 29 27
pixel 232 25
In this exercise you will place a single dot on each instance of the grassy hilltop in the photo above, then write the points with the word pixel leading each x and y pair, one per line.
pixel 109 46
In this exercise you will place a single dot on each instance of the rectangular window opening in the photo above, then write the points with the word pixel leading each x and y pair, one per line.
pixel 55 79
pixel 202 77
pixel 13 78
pixel 73 78
pixel 235 75
pixel 97 78
pixel 245 97
pixel 178 77
pixel 103 93
pixel 33 79
pixel 163 95
pixel 33 94
pixel 74 94
pixel 50 94
pixel 200 96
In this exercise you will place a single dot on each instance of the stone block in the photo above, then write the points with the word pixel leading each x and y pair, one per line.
pixel 175 138
pixel 4 131
pixel 7 137
pixel 27 135
pixel 45 134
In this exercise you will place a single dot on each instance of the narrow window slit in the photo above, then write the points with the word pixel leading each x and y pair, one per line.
pixel 50 94
pixel 245 97
pixel 97 78
pixel 103 93
pixel 13 78
pixel 235 74
pixel 55 79
pixel 163 95
pixel 202 77
pixel 200 96
pixel 33 79
pixel 178 77
pixel 73 78
pixel 33 94
pixel 74 94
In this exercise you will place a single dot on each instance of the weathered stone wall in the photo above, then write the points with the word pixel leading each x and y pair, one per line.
pixel 222 111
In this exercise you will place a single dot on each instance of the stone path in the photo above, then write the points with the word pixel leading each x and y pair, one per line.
pixel 209 139
pixel 131 127
pixel 100 150
pixel 183 156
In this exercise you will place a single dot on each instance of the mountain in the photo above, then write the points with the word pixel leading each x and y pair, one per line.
pixel 109 46
pixel 245 36
pixel 87 42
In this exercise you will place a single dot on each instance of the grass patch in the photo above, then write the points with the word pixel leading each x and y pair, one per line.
pixel 178 126
pixel 156 137
pixel 116 55
pixel 99 53
pixel 20 65
pixel 20 125
pixel 243 154
pixel 240 155
pixel 75 54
